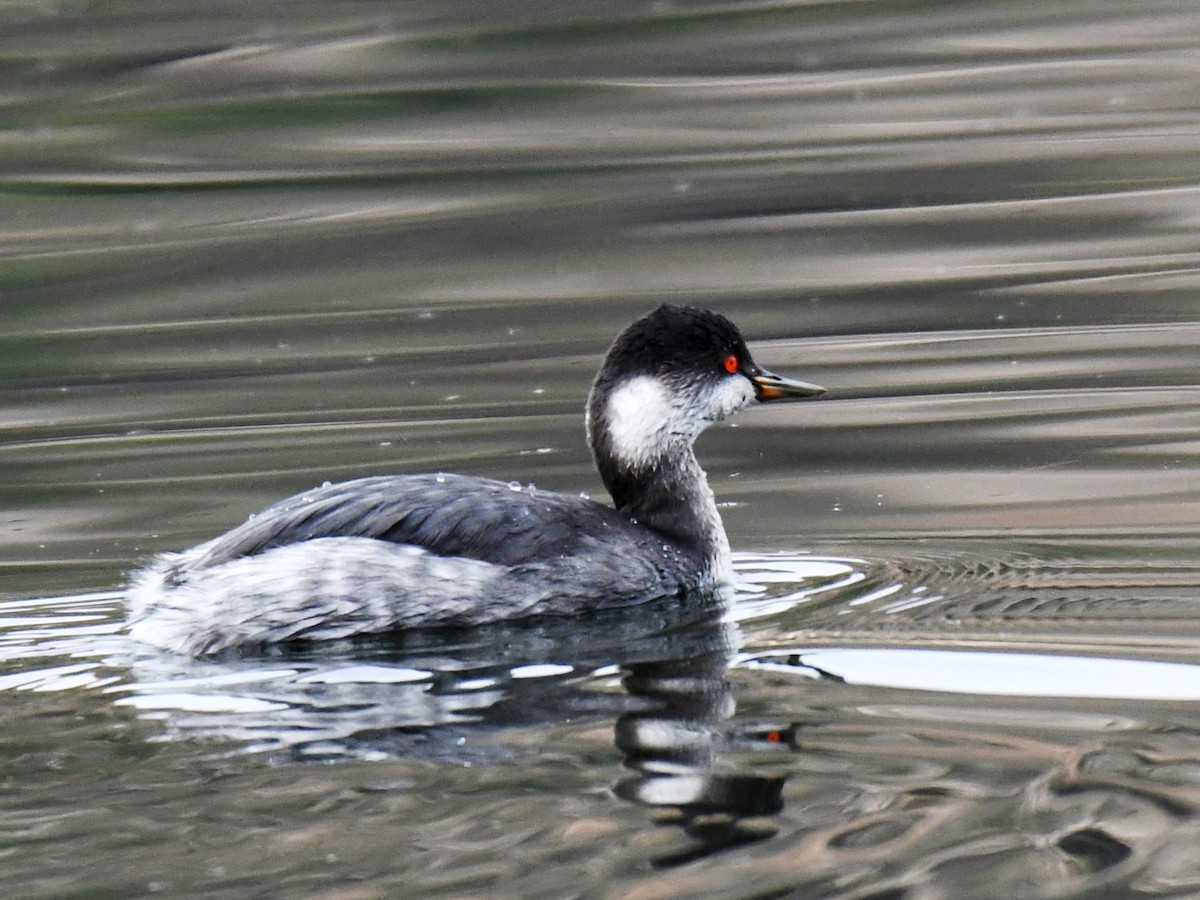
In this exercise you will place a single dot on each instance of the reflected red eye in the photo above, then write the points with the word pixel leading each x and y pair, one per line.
pixel 731 364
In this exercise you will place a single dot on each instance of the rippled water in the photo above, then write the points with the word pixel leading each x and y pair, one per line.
pixel 253 248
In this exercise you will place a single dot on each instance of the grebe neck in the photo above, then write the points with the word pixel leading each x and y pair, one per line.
pixel 642 446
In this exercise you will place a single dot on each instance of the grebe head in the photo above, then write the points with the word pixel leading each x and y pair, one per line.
pixel 666 378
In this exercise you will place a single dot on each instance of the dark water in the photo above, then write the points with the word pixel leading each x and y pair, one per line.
pixel 248 248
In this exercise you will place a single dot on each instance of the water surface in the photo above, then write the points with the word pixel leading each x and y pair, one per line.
pixel 257 248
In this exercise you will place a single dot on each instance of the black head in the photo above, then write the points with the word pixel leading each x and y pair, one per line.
pixel 666 378
pixel 689 344
pixel 677 342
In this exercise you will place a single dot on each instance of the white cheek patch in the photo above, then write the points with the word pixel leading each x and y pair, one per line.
pixel 645 419
pixel 639 417
pixel 731 395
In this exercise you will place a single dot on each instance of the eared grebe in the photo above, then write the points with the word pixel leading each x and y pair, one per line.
pixel 396 552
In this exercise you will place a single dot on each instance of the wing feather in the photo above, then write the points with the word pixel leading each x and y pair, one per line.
pixel 450 515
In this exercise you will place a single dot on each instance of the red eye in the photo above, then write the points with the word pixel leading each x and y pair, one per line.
pixel 731 364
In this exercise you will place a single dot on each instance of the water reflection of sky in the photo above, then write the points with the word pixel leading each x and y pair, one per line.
pixel 982 672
